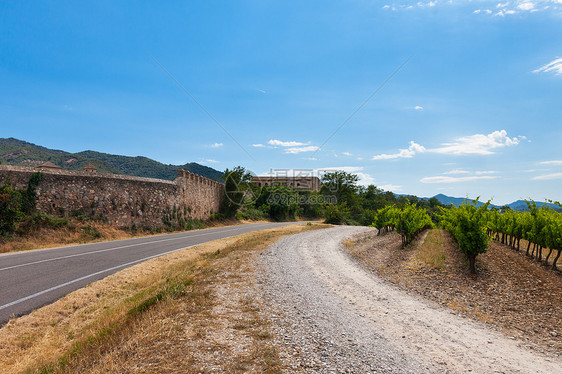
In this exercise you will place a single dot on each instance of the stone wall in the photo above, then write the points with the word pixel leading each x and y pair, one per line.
pixel 119 199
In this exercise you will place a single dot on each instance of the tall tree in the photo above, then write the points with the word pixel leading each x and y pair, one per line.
pixel 238 190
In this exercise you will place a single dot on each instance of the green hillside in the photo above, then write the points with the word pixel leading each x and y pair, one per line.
pixel 18 152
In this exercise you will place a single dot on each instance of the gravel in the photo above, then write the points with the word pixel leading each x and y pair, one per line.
pixel 331 316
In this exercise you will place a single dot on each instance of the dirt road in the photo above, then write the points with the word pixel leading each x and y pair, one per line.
pixel 330 315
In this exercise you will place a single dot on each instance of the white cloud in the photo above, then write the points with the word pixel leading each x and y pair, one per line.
pixel 456 171
pixel 552 162
pixel 262 91
pixel 402 153
pixel 504 12
pixel 280 143
pixel 211 161
pixel 460 171
pixel 548 177
pixel 295 150
pixel 346 154
pixel 447 179
pixel 390 187
pixel 477 144
pixel 291 147
pixel 217 145
pixel 347 169
pixel 417 107
pixel 553 66
pixel 526 5
pixel 365 179
pixel 488 7
pixel 459 176
pixel 483 172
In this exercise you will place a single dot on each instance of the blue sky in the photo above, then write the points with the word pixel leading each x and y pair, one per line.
pixel 467 94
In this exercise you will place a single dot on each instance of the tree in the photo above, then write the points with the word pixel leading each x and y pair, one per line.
pixel 10 208
pixel 238 190
pixel 29 195
pixel 16 204
pixel 340 184
pixel 280 201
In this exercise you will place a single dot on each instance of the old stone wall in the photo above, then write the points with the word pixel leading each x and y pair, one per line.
pixel 119 199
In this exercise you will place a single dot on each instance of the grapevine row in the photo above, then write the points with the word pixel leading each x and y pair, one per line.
pixel 540 227
pixel 408 221
pixel 467 224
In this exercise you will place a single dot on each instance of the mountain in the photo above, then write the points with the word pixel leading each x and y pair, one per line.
pixel 519 205
pixel 19 152
pixel 456 201
pixel 522 205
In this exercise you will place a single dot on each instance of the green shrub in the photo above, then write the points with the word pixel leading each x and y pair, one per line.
pixel 10 208
pixel 336 214
pixel 467 223
pixel 39 220
pixel 91 232
pixel 252 214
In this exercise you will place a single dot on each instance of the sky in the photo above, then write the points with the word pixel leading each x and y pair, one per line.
pixel 462 98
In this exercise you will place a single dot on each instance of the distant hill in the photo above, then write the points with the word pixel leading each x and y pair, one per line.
pixel 516 205
pixel 522 205
pixel 456 201
pixel 19 152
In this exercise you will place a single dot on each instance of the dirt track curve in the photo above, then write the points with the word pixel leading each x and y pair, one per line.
pixel 330 315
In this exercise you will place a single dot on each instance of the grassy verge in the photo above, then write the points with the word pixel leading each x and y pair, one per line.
pixel 179 311
pixel 79 231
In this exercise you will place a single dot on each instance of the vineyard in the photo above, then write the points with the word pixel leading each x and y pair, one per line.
pixel 467 225
pixel 408 221
pixel 473 226
pixel 540 227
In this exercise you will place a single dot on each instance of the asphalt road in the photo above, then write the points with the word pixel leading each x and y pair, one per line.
pixel 32 279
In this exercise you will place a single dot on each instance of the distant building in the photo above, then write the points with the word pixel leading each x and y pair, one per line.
pixel 307 183
pixel 90 168
pixel 48 165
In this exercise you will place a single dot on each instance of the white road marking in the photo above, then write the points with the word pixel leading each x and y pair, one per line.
pixel 108 249
pixel 86 277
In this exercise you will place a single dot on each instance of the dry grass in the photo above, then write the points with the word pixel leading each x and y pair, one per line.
pixel 167 313
pixel 79 232
pixel 76 233
pixel 431 251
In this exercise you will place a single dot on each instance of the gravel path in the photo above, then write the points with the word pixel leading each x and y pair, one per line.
pixel 330 315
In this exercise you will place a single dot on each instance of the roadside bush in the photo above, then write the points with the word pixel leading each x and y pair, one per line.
pixel 40 220
pixel 90 232
pixel 336 214
pixel 29 195
pixel 10 208
pixel 80 215
pixel 252 214
pixel 280 202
